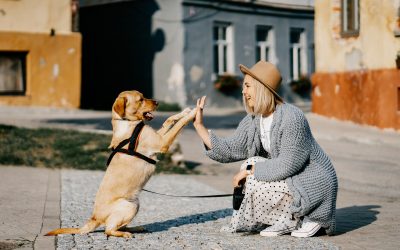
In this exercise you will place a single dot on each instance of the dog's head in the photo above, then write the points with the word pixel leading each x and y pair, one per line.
pixel 132 106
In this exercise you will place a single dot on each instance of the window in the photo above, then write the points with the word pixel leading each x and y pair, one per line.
pixel 223 48
pixel 265 48
pixel 398 99
pixel 350 18
pixel 297 53
pixel 12 73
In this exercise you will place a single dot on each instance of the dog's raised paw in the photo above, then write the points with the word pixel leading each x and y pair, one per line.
pixel 187 110
pixel 193 112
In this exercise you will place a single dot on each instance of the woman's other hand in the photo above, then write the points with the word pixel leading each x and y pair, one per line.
pixel 239 177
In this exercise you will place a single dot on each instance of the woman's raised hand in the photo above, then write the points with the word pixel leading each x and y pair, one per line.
pixel 198 120
pixel 198 123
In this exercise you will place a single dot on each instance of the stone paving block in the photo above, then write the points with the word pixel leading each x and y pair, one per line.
pixel 170 223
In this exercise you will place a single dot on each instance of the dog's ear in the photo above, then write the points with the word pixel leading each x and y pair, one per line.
pixel 119 106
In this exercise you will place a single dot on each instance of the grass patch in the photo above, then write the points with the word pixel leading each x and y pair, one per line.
pixel 56 148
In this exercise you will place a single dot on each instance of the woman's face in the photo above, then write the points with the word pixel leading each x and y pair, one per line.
pixel 249 91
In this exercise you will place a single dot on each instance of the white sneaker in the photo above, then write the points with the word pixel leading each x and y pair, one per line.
pixel 307 229
pixel 276 230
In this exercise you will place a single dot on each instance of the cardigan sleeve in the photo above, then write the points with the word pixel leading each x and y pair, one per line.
pixel 294 151
pixel 232 148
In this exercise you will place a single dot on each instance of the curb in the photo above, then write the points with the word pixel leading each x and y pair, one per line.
pixel 51 214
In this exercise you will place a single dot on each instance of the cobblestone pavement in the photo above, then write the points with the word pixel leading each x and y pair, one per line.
pixel 170 223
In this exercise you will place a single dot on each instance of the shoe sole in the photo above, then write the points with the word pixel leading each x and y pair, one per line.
pixel 310 233
pixel 276 233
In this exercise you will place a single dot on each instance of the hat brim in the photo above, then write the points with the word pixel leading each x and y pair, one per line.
pixel 247 71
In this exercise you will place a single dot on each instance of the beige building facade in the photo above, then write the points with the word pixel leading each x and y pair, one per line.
pixel 40 56
pixel 357 44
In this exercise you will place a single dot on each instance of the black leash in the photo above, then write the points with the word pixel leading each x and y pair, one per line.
pixel 190 196
pixel 132 146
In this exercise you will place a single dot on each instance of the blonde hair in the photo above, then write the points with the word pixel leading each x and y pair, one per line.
pixel 265 101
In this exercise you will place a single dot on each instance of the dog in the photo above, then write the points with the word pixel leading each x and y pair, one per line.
pixel 117 202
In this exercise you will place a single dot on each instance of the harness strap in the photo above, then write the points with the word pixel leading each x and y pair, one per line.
pixel 135 135
pixel 132 146
pixel 137 154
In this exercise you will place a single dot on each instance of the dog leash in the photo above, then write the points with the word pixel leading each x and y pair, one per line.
pixel 190 196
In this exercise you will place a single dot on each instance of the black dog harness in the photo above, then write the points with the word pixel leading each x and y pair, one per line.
pixel 133 142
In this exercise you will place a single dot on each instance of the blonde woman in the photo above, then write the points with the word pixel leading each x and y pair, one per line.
pixel 291 185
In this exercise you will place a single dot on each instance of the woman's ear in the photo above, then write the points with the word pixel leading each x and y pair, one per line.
pixel 119 106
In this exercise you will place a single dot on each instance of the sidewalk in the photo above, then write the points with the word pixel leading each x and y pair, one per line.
pixel 366 159
pixel 30 207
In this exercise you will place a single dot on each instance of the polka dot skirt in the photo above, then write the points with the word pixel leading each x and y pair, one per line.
pixel 264 204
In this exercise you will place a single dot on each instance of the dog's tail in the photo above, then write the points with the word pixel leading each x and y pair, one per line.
pixel 91 225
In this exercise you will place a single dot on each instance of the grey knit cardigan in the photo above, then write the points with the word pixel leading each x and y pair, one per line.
pixel 295 157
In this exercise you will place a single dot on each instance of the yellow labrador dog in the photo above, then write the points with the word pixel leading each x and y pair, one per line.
pixel 117 198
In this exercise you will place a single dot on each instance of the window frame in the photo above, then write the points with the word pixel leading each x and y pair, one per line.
pixel 298 51
pixel 344 20
pixel 224 48
pixel 268 43
pixel 22 56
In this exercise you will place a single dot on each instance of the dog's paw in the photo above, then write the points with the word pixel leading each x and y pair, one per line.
pixel 186 110
pixel 192 113
pixel 127 235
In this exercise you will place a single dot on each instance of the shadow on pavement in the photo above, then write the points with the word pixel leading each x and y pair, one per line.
pixel 355 217
pixel 184 220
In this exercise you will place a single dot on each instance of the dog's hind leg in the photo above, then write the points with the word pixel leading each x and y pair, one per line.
pixel 122 213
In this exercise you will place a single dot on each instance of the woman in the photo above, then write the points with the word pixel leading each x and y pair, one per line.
pixel 291 185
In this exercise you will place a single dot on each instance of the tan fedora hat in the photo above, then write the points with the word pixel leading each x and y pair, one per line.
pixel 267 74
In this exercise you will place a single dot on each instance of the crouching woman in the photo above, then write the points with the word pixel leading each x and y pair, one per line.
pixel 291 185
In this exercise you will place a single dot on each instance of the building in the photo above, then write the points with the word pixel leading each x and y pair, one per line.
pixel 357 47
pixel 207 39
pixel 177 50
pixel 40 56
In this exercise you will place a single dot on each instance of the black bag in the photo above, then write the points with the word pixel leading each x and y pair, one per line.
pixel 237 197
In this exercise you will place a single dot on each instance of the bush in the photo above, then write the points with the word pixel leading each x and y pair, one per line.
pixel 301 86
pixel 227 83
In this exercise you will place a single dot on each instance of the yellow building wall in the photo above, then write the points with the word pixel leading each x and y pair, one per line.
pixel 53 68
pixel 356 78
pixel 376 47
pixel 35 15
